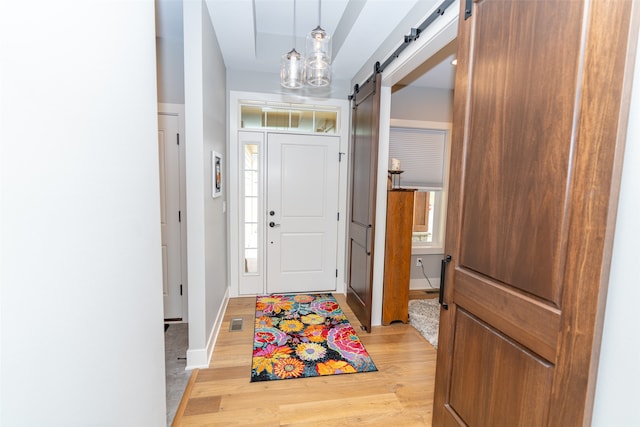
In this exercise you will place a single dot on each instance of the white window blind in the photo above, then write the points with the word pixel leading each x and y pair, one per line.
pixel 421 155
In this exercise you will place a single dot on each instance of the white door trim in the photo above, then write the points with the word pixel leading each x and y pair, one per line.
pixel 235 97
pixel 178 110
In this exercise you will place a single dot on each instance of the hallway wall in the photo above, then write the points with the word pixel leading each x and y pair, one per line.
pixel 423 104
pixel 205 122
pixel 81 272
pixel 170 51
pixel 169 70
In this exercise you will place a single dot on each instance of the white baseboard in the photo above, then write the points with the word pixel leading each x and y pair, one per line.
pixel 197 359
pixel 201 358
pixel 217 325
pixel 422 284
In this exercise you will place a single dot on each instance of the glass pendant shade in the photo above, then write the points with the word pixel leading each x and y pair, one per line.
pixel 292 63
pixel 292 70
pixel 318 58
pixel 319 44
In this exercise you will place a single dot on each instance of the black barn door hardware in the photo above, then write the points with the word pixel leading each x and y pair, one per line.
pixel 443 270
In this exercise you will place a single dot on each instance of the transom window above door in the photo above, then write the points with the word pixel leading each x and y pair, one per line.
pixel 289 117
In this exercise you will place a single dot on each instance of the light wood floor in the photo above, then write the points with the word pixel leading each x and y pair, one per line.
pixel 400 393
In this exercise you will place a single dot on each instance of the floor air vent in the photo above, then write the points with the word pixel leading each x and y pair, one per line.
pixel 236 325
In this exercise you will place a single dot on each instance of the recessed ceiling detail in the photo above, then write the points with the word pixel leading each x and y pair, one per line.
pixel 253 34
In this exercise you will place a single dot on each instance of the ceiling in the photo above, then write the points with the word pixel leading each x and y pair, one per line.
pixel 254 34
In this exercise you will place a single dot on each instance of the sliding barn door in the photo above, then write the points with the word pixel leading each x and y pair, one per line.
pixel 365 120
pixel 539 122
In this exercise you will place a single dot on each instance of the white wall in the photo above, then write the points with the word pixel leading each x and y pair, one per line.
pixel 170 70
pixel 422 103
pixel 617 395
pixel 269 82
pixel 215 139
pixel 205 121
pixel 81 307
pixel 170 51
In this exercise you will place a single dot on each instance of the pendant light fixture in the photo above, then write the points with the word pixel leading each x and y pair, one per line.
pixel 318 50
pixel 292 64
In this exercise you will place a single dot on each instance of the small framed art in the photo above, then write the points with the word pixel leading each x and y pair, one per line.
pixel 216 174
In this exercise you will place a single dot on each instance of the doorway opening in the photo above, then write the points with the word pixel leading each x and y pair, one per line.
pixel 418 160
pixel 287 178
pixel 172 190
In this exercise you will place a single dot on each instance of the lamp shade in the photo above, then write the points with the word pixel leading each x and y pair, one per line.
pixel 292 70
pixel 318 65
pixel 319 44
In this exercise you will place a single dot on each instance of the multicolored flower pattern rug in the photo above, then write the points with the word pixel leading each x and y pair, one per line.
pixel 298 336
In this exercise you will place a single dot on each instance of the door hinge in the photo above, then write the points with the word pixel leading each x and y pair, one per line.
pixel 180 289
pixel 340 156
pixel 338 216
pixel 179 216
pixel 336 272
pixel 468 5
pixel 178 138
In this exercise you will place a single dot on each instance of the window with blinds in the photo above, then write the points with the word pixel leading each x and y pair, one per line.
pixel 422 156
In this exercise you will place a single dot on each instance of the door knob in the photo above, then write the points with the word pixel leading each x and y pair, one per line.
pixel 273 224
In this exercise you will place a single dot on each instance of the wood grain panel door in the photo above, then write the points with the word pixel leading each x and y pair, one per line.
pixel 365 121
pixel 539 119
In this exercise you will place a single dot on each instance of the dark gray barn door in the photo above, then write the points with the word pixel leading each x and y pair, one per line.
pixel 365 121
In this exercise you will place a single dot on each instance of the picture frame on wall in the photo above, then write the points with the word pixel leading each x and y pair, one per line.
pixel 216 174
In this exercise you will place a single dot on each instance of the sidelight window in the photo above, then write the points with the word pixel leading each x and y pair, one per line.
pixel 251 201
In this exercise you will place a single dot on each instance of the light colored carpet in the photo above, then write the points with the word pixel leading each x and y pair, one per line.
pixel 424 315
pixel 176 340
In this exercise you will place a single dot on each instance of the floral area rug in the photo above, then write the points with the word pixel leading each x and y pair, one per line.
pixel 298 336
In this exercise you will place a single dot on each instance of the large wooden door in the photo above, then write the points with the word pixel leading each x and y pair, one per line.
pixel 365 120
pixel 302 219
pixel 539 119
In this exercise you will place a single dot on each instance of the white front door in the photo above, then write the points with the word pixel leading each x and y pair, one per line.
pixel 169 156
pixel 302 210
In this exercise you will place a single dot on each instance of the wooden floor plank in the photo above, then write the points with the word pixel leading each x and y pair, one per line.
pixel 317 412
pixel 399 393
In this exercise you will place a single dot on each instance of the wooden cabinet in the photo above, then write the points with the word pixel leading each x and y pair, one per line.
pixel 397 258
